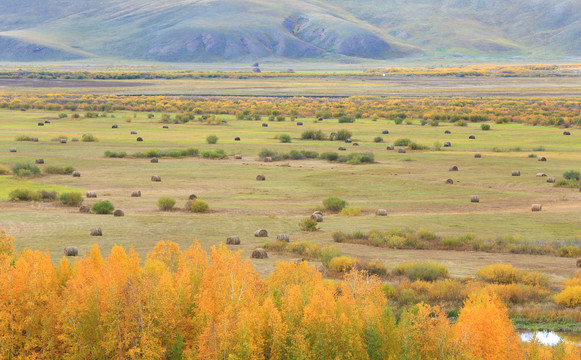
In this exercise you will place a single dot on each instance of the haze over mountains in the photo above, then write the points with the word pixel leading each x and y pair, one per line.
pixel 311 30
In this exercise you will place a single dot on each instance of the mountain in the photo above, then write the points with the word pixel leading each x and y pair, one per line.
pixel 326 30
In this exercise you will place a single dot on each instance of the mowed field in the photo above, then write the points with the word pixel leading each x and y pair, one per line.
pixel 410 186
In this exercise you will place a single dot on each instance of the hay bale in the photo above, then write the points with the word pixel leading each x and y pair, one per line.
pixel 156 178
pixel 381 212
pixel 453 168
pixel 566 133
pixel 40 124
pixel 447 132
pixel 91 194
pixel 474 198
pixel 318 212
pixel 390 147
pixel 542 158
pixel 166 127
pixel 261 233
pixel 237 138
pixel 471 137
pixel 118 213
pixel 355 144
pixel 12 149
pixel 578 262
pixel 237 156
pixel 300 123
pixel 385 132
pixel 259 253
pixel 39 161
pixel 192 197
pixel 447 144
pixel 63 141
pixel 541 174
pixel 449 181
pixel 136 193
pixel 139 139
pixel 516 173
pixel 96 232
pixel 268 159
pixel 551 179
pixel 342 148
pixel 154 161
pixel 85 209
pixel 47 122
pixel 348 141
pixel 317 217
pixel 297 260
pixel 71 251
pixel 233 240
pixel 34 139
pixel 320 119
pixel 283 237
pixel 264 125
pixel 260 177
pixel 477 155
pixel 114 127
pixel 536 207
pixel 401 151
pixel 76 174
pixel 134 133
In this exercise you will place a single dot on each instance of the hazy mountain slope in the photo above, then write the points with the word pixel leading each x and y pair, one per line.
pixel 215 30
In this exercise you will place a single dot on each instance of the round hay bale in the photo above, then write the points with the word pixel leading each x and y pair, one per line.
pixel 76 174
pixel 114 127
pixel 154 160
pixel 47 122
pixel 264 125
pixel 297 260
pixel 63 141
pixel 238 157
pixel 401 151
pixel 355 144
pixel 71 251
pixel 139 139
pixel 85 209
pixel 283 237
pixel 348 141
pixel 134 133
pixel 236 138
pixel 118 213
pixel 260 177
pixel 317 217
pixel 541 174
pixel 40 124
pixel 34 139
pixel 447 132
pixel 12 149
pixel 261 233
pixel 578 262
pixel 542 158
pixel 156 178
pixel 192 197
pixel 259 253
pixel 447 144
pixel 268 159
pixel 96 232
pixel 551 179
pixel 390 147
pixel 91 194
pixel 136 193
pixel 453 168
pixel 471 137
pixel 320 119
pixel 474 198
pixel 166 127
pixel 300 123
pixel 385 132
pixel 516 173
pixel 318 212
pixel 536 207
pixel 233 240
pixel 478 155
pixel 449 181
pixel 381 212
pixel 342 148
pixel 39 161
pixel 566 133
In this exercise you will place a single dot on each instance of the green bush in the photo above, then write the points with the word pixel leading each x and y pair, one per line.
pixel 402 142
pixel 572 175
pixel 378 139
pixel 284 138
pixel 166 203
pixel 330 156
pixel 89 138
pixel 413 146
pixel 398 121
pixel 4 170
pixel 308 224
pixel 539 148
pixel 197 206
pixel 59 170
pixel 343 134
pixel 103 207
pixel 346 119
pixel 342 263
pixel 217 154
pixel 328 253
pixel 357 158
pixel 334 204
pixel 112 154
pixel 24 170
pixel 264 153
pixel 71 199
pixel 212 139
pixel 23 195
pixel 461 123
pixel 421 270
pixel 313 135
pixel 23 138
pixel 485 127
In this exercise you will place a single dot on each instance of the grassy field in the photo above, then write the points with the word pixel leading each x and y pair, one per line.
pixel 410 186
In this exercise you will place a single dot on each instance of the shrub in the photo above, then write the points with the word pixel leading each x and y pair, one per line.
pixel 308 224
pixel 485 127
pixel 334 204
pixel 330 156
pixel 304 248
pixel 357 158
pixel 572 175
pixel 374 268
pixel 328 253
pixel 62 115
pixel 398 121
pixel 24 170
pixel 166 203
pixel 498 273
pixel 217 154
pixel 434 123
pixel 378 139
pixel 59 170
pixel 103 207
pixel 570 297
pixel 313 135
pixel 342 263
pixel 4 170
pixel 112 154
pixel 23 195
pixel 532 155
pixel 212 139
pixel 413 146
pixel 461 123
pixel 346 119
pixel 23 138
pixel 421 270
pixel 197 206
pixel 71 199
pixel 264 153
pixel 343 134
pixel 402 142
pixel 284 138
pixel 539 148
pixel 89 138
pixel 351 211
pixel 47 195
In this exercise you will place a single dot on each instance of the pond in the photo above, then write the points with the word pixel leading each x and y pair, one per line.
pixel 551 338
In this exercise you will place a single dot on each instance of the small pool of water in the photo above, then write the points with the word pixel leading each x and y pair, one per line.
pixel 551 338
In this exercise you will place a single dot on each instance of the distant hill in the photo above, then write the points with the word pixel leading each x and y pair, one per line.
pixel 331 30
